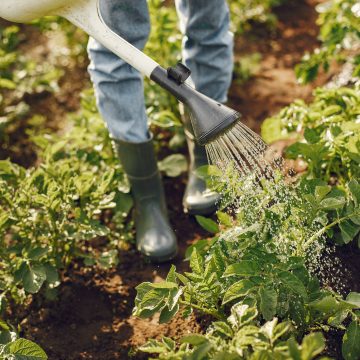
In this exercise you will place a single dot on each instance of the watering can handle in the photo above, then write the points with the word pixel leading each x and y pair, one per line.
pixel 86 15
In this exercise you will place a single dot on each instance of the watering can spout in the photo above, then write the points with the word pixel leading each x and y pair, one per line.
pixel 209 118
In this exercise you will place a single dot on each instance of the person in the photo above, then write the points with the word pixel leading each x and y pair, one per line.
pixel 208 53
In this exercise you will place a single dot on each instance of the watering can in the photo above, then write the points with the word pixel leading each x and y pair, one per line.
pixel 209 118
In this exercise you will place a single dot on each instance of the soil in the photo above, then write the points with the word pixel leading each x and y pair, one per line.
pixel 53 107
pixel 92 317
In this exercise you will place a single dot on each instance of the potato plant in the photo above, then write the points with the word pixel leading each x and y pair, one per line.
pixel 245 12
pixel 48 212
pixel 339 36
pixel 14 347
pixel 257 279
pixel 327 130
pixel 19 76
pixel 261 264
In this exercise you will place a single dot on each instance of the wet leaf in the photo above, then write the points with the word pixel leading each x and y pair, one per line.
pixel 351 342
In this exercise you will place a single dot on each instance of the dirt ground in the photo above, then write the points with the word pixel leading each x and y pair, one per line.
pixel 92 318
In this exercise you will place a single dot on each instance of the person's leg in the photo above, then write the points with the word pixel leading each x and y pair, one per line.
pixel 118 86
pixel 208 52
pixel 120 96
pixel 207 45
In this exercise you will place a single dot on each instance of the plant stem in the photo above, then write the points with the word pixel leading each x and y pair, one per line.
pixel 327 227
pixel 213 313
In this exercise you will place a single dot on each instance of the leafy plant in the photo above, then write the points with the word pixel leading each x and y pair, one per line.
pixel 14 348
pixel 246 67
pixel 245 12
pixel 340 37
pixel 241 337
pixel 19 76
pixel 328 130
pixel 162 107
pixel 48 212
pixel 262 262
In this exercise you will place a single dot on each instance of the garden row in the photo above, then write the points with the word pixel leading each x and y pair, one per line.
pixel 258 279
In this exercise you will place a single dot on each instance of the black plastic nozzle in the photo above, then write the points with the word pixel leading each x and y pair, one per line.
pixel 209 117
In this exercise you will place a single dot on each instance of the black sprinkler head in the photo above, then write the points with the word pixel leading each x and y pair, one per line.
pixel 209 118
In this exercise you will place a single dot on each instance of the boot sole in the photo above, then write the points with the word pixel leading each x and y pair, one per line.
pixel 161 259
pixel 202 212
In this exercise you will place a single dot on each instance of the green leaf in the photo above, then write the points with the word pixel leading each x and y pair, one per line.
pixel 7 84
pixel 153 347
pixel 294 349
pixel 293 283
pixel 273 330
pixel 311 136
pixel 354 298
pixel 37 253
pixel 193 339
pixel 166 314
pixel 33 278
pixel 237 290
pixel 207 171
pixel 208 224
pixel 326 305
pixel 150 303
pixel 200 351
pixel 333 203
pixel 321 192
pixel 52 275
pixel 196 262
pixel 312 345
pixel 222 328
pixel 281 329
pixel 268 302
pixel 242 314
pixel 164 285
pixel 272 130
pixel 23 349
pixel 173 165
pixel 171 276
pixel 348 230
pixel 224 218
pixel 108 259
pixel 243 268
pixel 351 342
pixel 354 188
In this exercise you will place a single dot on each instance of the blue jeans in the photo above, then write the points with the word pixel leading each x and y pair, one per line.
pixel 207 51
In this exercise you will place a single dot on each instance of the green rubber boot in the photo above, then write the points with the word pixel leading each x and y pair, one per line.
pixel 198 199
pixel 154 236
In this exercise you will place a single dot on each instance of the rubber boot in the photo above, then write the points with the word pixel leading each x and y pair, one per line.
pixel 198 199
pixel 154 236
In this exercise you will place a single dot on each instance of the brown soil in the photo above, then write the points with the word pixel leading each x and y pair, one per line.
pixel 54 107
pixel 275 85
pixel 92 317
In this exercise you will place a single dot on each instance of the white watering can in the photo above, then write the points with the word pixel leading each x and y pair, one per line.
pixel 210 118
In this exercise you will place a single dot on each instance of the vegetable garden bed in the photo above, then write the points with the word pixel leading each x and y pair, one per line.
pixel 90 314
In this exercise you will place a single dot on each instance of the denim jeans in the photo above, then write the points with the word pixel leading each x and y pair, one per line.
pixel 207 51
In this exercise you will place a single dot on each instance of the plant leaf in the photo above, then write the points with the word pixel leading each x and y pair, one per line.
pixel 351 342
pixel 239 289
pixel 208 224
pixel 33 278
pixel 268 302
pixel 173 165
pixel 243 268
pixel 22 349
pixel 293 283
pixel 312 345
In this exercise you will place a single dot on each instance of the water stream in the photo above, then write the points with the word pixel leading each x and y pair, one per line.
pixel 245 151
